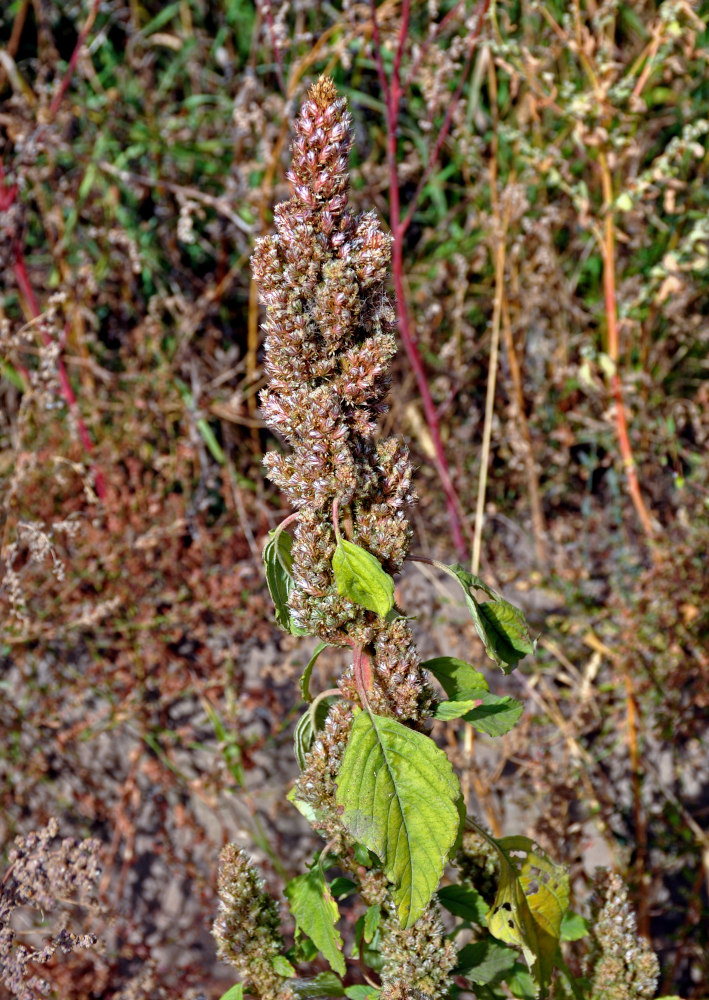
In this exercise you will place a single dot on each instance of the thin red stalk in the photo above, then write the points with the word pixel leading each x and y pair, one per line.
pixel 448 119
pixel 277 54
pixel 25 286
pixel 66 79
pixel 393 93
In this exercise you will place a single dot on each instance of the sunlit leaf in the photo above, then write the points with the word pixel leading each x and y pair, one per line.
pixel 282 967
pixel 532 897
pixel 399 796
pixel 316 914
pixel 459 680
pixel 235 992
pixel 361 579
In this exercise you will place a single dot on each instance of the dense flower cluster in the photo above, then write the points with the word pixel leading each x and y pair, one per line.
pixel 329 342
pixel 621 965
pixel 247 929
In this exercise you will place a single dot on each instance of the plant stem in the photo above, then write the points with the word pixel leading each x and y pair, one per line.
pixel 609 291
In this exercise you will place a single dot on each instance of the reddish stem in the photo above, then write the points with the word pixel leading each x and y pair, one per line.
pixel 393 92
pixel 67 391
pixel 73 59
pixel 362 675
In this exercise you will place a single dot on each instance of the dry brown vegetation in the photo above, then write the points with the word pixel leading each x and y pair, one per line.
pixel 559 244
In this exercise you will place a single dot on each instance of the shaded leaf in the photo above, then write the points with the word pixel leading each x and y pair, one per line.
pixel 362 992
pixel 316 913
pixel 464 901
pixel 485 961
pixel 304 735
pixel 447 710
pixel 496 714
pixel 399 796
pixel 361 579
pixel 371 922
pixel 341 887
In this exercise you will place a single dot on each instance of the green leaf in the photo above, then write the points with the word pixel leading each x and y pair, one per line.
pixel 371 922
pixel 278 564
pixel 305 679
pixel 573 926
pixel 316 914
pixel 532 897
pixel 362 992
pixel 341 887
pixel 490 713
pixel 485 961
pixel 447 710
pixel 501 626
pixel 235 992
pixel 304 735
pixel 459 680
pixel 305 808
pixel 521 983
pixel 325 984
pixel 465 902
pixel 282 967
pixel 496 715
pixel 399 794
pixel 361 579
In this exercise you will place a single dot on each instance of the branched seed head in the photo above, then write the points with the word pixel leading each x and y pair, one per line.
pixel 329 343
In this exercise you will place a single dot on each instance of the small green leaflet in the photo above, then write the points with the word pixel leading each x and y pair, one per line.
pixel 573 926
pixel 361 579
pixel 278 564
pixel 282 967
pixel 304 735
pixel 312 814
pixel 458 679
pixel 305 679
pixel 464 901
pixel 362 992
pixel 316 914
pixel 532 898
pixel 235 992
pixel 501 626
pixel 371 922
pixel 470 698
pixel 399 796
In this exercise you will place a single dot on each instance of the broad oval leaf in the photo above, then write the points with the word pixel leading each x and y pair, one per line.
pixel 447 710
pixel 278 564
pixel 485 962
pixel 487 713
pixel 399 796
pixel 361 579
pixel 316 914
